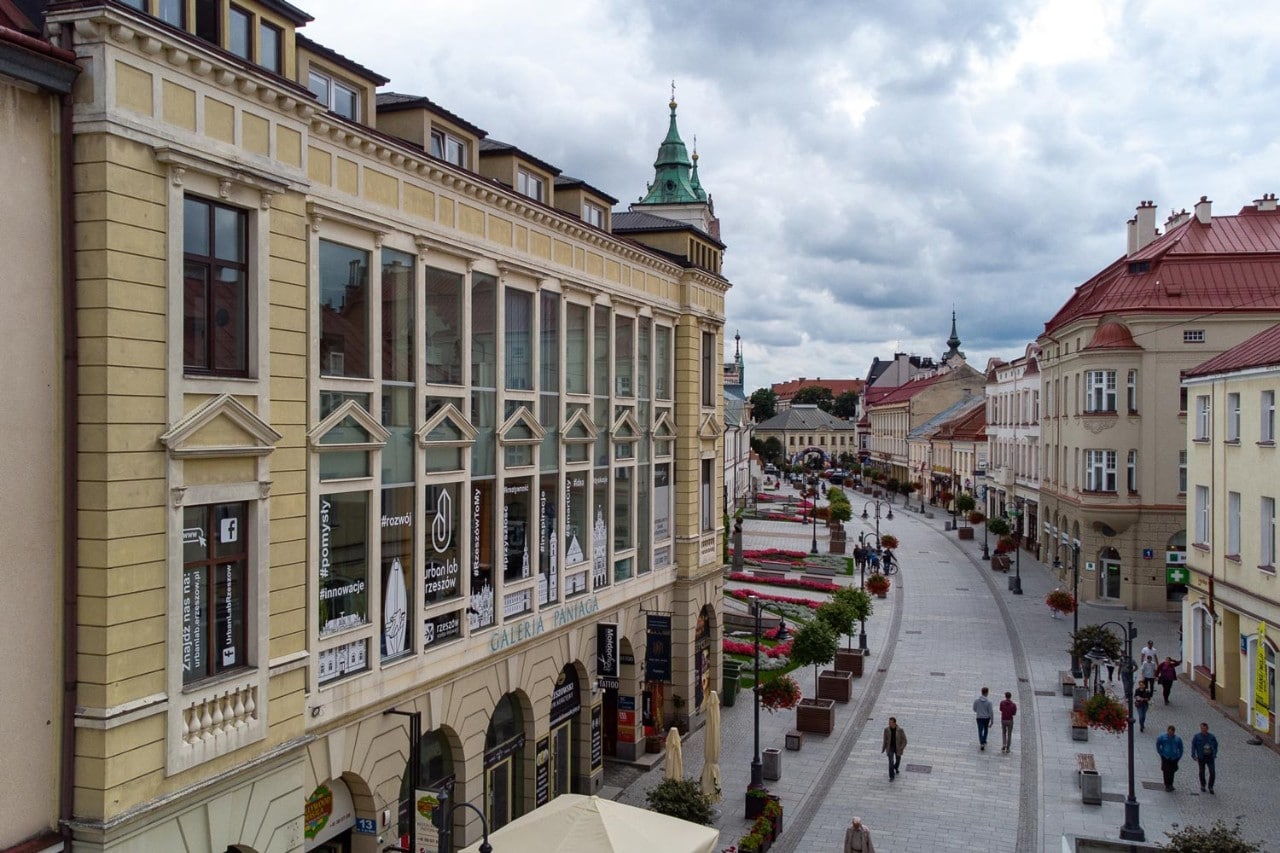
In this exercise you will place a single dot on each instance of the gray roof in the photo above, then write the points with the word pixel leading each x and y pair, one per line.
pixel 806 417
pixel 963 407
pixel 635 221
pixel 735 406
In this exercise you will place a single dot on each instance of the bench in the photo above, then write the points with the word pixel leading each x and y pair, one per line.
pixel 1079 726
pixel 1088 780
pixel 1068 682
pixel 826 579
pixel 776 565
pixel 1084 761
pixel 820 570
pixel 766 574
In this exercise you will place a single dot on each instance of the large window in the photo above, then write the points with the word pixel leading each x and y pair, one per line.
pixel 344 561
pixel 215 558
pixel 1202 515
pixel 1131 392
pixel 1233 417
pixel 344 310
pixel 1267 525
pixel 444 327
pixel 708 495
pixel 1131 472
pixel 1100 470
pixel 1203 414
pixel 240 32
pixel 709 371
pixel 334 95
pixel 531 185
pixel 397 524
pixel 1267 427
pixel 576 350
pixel 270 41
pixel 518 352
pixel 215 289
pixel 1233 523
pixel 449 148
pixel 623 358
pixel 662 376
pixel 1100 388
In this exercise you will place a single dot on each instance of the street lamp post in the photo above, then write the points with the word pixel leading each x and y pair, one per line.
pixel 1131 830
pixel 1077 671
pixel 1015 582
pixel 862 540
pixel 757 770
pixel 813 548
pixel 986 554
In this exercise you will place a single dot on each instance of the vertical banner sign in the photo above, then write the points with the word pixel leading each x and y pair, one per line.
pixel 542 772
pixel 1261 705
pixel 658 647
pixel 427 837
pixel 597 739
pixel 607 650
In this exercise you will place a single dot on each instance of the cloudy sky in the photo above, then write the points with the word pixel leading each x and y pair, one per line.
pixel 873 163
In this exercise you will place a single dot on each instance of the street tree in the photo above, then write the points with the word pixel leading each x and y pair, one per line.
pixel 764 404
pixel 846 405
pixel 819 395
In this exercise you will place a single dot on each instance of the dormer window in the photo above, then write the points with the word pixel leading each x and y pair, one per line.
pixel 449 148
pixel 336 96
pixel 240 33
pixel 172 12
pixel 270 40
pixel 531 185
pixel 593 214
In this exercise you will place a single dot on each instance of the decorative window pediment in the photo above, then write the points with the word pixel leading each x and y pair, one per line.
pixel 221 426
pixel 579 429
pixel 447 428
pixel 625 427
pixel 349 427
pixel 709 429
pixel 665 427
pixel 521 428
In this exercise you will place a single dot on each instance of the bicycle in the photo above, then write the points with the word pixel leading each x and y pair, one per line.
pixel 889 565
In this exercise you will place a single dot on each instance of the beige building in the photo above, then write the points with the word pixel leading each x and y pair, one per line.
pixel 35 84
pixel 1113 475
pixel 1233 601
pixel 1012 472
pixel 806 431
pixel 399 452
pixel 894 413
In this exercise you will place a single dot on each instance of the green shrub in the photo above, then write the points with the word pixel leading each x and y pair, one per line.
pixel 682 798
pixel 1218 838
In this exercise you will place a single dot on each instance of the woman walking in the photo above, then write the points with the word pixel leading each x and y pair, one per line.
pixel 1166 674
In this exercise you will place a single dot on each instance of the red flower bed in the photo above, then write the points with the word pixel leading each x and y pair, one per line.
pixel 773 554
pixel 766 497
pixel 744 595
pixel 779 516
pixel 737 647
pixel 794 583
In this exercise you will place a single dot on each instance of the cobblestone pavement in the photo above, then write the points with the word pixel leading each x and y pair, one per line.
pixel 949 626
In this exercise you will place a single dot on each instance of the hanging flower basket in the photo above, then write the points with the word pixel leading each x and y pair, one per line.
pixel 878 584
pixel 1060 601
pixel 976 517
pixel 1104 711
pixel 889 541
pixel 1005 545
pixel 779 693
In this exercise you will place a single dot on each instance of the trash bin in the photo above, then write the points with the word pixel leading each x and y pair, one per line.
pixel 1090 787
pixel 729 691
pixel 773 764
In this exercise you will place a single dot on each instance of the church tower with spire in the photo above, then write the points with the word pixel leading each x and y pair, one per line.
pixel 953 353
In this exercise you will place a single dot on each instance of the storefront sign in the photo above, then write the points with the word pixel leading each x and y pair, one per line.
pixel 564 697
pixel 503 751
pixel 442 629
pixel 1261 683
pixel 657 647
pixel 342 660
pixel 597 739
pixel 532 627
pixel 427 836
pixel 608 648
pixel 327 813
pixel 542 772
pixel 343 585
pixel 661 502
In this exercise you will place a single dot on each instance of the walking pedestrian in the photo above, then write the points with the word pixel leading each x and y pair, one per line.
pixel 1166 674
pixel 984 712
pixel 1148 653
pixel 1008 709
pixel 1204 749
pixel 857 838
pixel 1149 667
pixel 860 557
pixel 1141 701
pixel 1169 748
pixel 894 744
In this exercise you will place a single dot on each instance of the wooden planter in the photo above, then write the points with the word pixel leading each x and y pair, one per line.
pixel 850 661
pixel 965 532
pixel 1000 562
pixel 835 685
pixel 816 715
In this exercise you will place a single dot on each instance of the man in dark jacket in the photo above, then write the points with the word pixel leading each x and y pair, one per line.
pixel 1169 748
pixel 1204 749
pixel 893 745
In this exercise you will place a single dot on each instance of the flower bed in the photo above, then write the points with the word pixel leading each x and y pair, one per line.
pixel 737 647
pixel 794 583
pixel 745 595
pixel 778 554
pixel 780 516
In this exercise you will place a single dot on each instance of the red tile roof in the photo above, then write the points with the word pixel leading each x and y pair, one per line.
pixel 1262 350
pixel 1230 264
pixel 902 392
pixel 787 390
pixel 1112 335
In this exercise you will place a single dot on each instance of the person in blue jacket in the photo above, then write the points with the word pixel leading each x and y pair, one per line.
pixel 1204 749
pixel 1169 747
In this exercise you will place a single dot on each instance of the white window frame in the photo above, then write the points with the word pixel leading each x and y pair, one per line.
pixel 1193 336
pixel 1131 472
pixel 529 184
pixel 1233 417
pixel 1267 539
pixel 1202 515
pixel 332 85
pixel 1204 413
pixel 1182 472
pixel 448 147
pixel 1267 422
pixel 1233 524
pixel 1100 394
pixel 1131 391
pixel 593 214
pixel 1100 470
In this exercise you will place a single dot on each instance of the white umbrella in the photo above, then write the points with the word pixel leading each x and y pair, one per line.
pixel 711 750
pixel 675 760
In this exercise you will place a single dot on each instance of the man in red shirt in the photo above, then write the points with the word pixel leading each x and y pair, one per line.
pixel 1007 711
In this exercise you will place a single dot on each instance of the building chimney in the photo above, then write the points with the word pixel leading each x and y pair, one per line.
pixel 1267 202
pixel 1145 226
pixel 1176 219
pixel 1204 210
pixel 1131 229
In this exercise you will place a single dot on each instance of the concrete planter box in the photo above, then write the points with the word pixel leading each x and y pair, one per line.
pixel 835 685
pixel 816 715
pixel 850 661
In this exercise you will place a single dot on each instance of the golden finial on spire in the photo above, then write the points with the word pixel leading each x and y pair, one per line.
pixel 673 94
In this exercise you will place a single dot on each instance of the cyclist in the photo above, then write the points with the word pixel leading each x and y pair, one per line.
pixel 890 562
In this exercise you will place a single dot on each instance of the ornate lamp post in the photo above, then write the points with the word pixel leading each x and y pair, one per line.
pixel 862 540
pixel 813 548
pixel 1015 582
pixel 1077 671
pixel 986 554
pixel 757 769
pixel 1131 830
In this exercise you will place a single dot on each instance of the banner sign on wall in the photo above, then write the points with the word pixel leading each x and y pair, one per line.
pixel 542 772
pixel 1261 693
pixel 658 647
pixel 597 739
pixel 608 649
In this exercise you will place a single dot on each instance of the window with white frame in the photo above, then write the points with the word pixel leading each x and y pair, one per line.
pixel 1131 392
pixel 1203 413
pixel 593 214
pixel 1267 525
pixel 1193 336
pixel 1202 515
pixel 1131 472
pixel 709 370
pixel 1204 638
pixel 708 495
pixel 1233 523
pixel 1182 472
pixel 531 185
pixel 448 147
pixel 1267 427
pixel 335 95
pixel 215 589
pixel 1100 470
pixel 215 276
pixel 1100 388
pixel 1233 417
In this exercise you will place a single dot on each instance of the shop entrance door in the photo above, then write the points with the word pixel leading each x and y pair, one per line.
pixel 561 760
pixel 610 721
pixel 1109 579
pixel 498 802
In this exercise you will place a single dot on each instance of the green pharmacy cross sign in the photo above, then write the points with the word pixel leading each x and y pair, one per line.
pixel 1176 574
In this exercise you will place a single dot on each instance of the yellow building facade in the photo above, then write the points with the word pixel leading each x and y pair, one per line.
pixel 395 479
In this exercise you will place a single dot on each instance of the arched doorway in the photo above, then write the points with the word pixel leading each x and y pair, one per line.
pixel 504 751
pixel 1109 573
pixel 330 815
pixel 435 774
